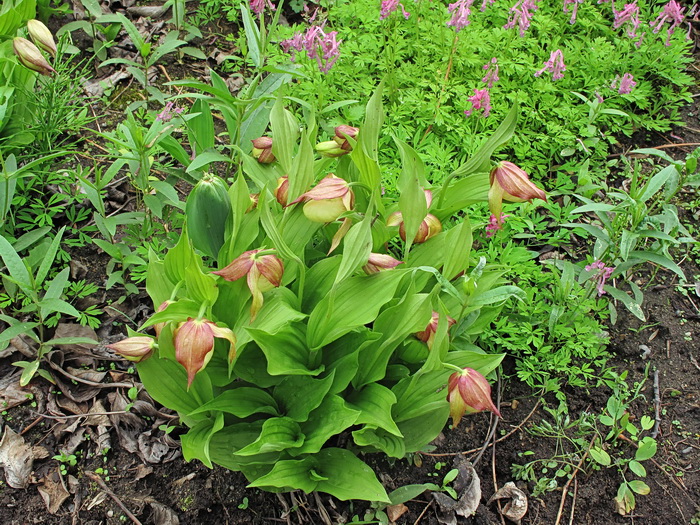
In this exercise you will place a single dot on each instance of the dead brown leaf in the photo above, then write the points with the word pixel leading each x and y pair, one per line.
pixel 468 487
pixel 394 512
pixel 53 492
pixel 17 458
pixel 516 507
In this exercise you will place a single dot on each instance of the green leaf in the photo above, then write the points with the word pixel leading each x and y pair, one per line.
pixel 374 402
pixel 409 492
pixel 286 350
pixel 639 487
pixel 353 303
pixel 600 456
pixel 178 259
pixel 15 266
pixel 166 382
pixel 285 133
pixel 290 474
pixel 298 396
pixel 252 34
pixel 637 468
pixel 646 450
pixel 242 402
pixel 458 244
pixel 30 368
pixel 356 249
pixel 49 258
pixel 381 440
pixel 49 306
pixel 348 477
pixel 71 341
pixel 655 258
pixel 633 306
pixel 195 444
pixel 654 184
pixel 331 417
pixel 278 433
pixel 412 201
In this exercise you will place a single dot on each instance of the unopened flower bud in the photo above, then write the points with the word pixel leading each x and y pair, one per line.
pixel 469 392
pixel 134 348
pixel 30 56
pixel 282 190
pixel 510 183
pixel 42 37
pixel 428 335
pixel 330 148
pixel 254 198
pixel 262 150
pixel 263 272
pixel 345 131
pixel 194 345
pixel 378 262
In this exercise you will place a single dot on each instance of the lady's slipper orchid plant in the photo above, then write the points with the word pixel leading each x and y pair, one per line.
pixel 469 392
pixel 511 184
pixel 194 344
pixel 263 271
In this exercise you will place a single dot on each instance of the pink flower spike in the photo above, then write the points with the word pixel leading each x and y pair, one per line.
pixel 258 6
pixel 555 65
pixel 602 274
pixel 572 6
pixel 673 14
pixel 480 100
pixel 521 13
pixel 629 15
pixel 319 45
pixel 626 84
pixel 389 6
pixel 460 10
pixel 486 3
pixel 491 76
pixel 494 225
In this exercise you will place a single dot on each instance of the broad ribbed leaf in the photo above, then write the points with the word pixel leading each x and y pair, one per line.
pixel 286 351
pixel 374 402
pixel 329 419
pixel 381 440
pixel 298 396
pixel 348 477
pixel 195 444
pixel 242 402
pixel 353 303
pixel 278 433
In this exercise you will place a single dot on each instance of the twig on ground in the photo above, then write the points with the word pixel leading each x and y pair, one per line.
pixel 565 490
pixel 573 503
pixel 494 424
pixel 502 438
pixel 668 349
pixel 694 361
pixel 285 507
pixel 657 406
pixel 422 513
pixel 97 479
pixel 495 482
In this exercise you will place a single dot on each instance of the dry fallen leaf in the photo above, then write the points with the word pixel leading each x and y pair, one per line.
pixel 394 512
pixel 17 458
pixel 516 507
pixel 163 515
pixel 53 492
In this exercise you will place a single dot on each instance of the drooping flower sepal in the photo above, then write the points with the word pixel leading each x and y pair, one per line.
pixel 264 272
pixel 469 392
pixel 511 184
pixel 328 200
pixel 194 344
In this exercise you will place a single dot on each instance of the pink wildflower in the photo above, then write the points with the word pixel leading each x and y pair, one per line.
pixel 389 6
pixel 630 16
pixel 169 111
pixel 460 10
pixel 573 6
pixel 318 45
pixel 626 85
pixel 495 224
pixel 491 76
pixel 480 100
pixel 672 13
pixel 487 3
pixel 258 6
pixel 555 65
pixel 603 273
pixel 521 13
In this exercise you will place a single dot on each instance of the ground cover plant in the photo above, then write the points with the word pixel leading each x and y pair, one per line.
pixel 301 244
